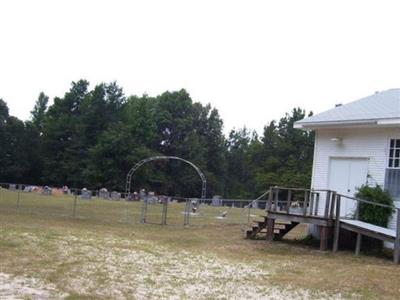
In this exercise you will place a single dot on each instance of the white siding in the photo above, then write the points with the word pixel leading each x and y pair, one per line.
pixel 371 143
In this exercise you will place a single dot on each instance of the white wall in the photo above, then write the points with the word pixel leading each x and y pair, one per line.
pixel 371 143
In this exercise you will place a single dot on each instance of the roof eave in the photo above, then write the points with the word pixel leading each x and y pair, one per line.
pixel 356 123
pixel 391 122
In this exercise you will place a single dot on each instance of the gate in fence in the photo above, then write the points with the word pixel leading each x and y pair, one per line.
pixel 154 210
pixel 142 162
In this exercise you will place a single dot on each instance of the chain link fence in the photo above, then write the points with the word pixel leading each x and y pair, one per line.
pixel 119 207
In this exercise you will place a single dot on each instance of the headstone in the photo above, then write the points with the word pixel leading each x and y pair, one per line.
pixel 27 189
pixel 12 187
pixel 86 194
pixel 151 198
pixel 103 193
pixel 135 196
pixel 115 195
pixel 216 201
pixel 194 204
pixel 65 190
pixel 164 199
pixel 142 194
pixel 46 191
pixel 30 188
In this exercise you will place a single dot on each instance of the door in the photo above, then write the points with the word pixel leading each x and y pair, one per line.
pixel 345 176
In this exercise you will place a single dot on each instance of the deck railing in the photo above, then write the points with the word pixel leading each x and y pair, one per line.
pixel 356 211
pixel 299 201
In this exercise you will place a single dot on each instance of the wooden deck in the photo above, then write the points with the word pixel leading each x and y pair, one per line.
pixel 279 209
pixel 300 218
pixel 300 206
pixel 368 229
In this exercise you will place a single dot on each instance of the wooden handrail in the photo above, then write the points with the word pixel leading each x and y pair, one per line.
pixel 366 201
pixel 300 189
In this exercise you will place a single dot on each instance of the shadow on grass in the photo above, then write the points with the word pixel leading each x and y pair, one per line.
pixel 308 243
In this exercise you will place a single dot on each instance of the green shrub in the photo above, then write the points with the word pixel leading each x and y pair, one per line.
pixel 372 213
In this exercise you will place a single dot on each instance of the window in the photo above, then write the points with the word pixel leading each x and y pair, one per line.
pixel 394 154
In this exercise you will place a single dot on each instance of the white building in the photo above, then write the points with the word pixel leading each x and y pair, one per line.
pixel 358 143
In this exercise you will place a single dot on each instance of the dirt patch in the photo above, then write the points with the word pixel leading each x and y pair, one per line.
pixel 20 287
pixel 120 268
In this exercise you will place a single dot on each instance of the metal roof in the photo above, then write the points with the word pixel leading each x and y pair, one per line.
pixel 381 108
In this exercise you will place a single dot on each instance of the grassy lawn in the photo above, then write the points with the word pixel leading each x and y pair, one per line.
pixel 105 253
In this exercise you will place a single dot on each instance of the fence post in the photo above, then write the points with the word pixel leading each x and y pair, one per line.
pixel 248 213
pixel 337 224
pixel 164 212
pixel 19 196
pixel 186 213
pixel 75 202
pixel 144 211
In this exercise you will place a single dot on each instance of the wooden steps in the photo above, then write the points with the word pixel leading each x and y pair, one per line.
pixel 259 229
pixel 283 231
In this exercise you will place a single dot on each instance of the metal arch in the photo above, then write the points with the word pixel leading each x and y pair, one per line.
pixel 142 162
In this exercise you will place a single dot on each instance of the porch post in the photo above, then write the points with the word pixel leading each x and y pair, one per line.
pixel 396 253
pixel 289 201
pixel 327 203
pixel 337 224
pixel 270 229
pixel 358 243
pixel 270 197
pixel 324 238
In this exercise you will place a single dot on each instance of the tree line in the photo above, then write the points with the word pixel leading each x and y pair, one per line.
pixel 92 137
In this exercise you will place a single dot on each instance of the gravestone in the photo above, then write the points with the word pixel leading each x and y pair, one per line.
pixel 86 194
pixel 47 191
pixel 12 187
pixel 134 197
pixel 163 199
pixel 115 195
pixel 142 194
pixel 103 193
pixel 152 198
pixel 216 201
pixel 65 190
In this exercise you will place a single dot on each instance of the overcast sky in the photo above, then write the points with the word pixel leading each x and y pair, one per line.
pixel 252 60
